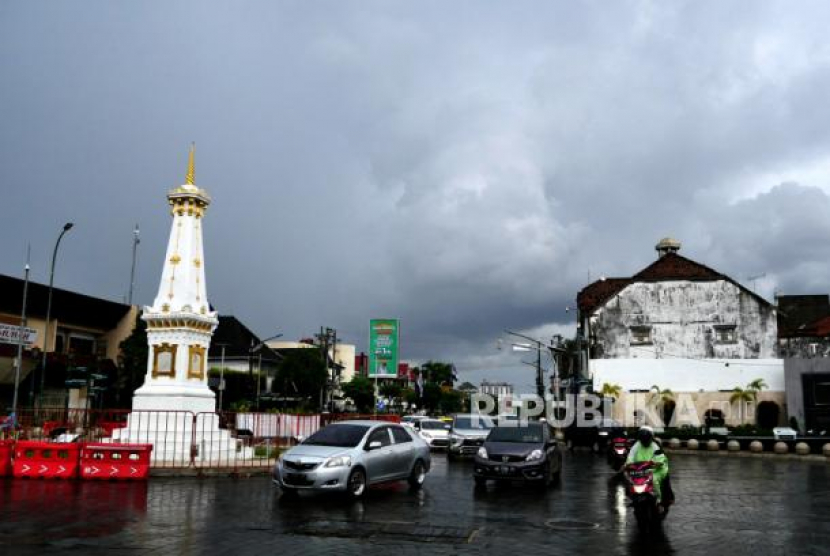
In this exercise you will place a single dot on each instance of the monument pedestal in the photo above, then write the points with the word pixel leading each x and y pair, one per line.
pixel 180 423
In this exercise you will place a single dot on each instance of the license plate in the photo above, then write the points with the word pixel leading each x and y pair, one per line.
pixel 504 470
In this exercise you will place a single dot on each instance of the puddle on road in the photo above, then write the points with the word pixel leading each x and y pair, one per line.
pixel 386 531
pixel 570 524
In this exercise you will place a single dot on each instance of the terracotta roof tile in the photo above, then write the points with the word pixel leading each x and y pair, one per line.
pixel 667 268
pixel 675 267
pixel 594 295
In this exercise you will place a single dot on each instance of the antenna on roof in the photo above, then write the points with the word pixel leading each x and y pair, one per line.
pixel 755 278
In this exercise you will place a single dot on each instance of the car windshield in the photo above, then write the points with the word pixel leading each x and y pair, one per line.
pixel 434 425
pixel 531 434
pixel 342 436
pixel 473 422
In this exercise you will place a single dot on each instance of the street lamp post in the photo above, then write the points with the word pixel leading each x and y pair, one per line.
pixel 222 376
pixel 136 241
pixel 66 227
pixel 20 334
pixel 538 347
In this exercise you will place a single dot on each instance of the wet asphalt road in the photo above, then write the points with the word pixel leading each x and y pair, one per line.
pixel 725 505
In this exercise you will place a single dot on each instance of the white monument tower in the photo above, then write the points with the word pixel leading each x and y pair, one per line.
pixel 174 409
pixel 180 322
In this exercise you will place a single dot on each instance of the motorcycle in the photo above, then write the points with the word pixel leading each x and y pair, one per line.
pixel 618 453
pixel 648 512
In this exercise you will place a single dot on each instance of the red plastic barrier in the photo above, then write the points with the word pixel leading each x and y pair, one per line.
pixel 6 448
pixel 46 460
pixel 123 462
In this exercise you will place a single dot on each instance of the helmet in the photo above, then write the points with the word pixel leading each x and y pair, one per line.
pixel 645 435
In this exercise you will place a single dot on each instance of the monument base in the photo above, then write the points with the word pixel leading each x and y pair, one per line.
pixel 181 423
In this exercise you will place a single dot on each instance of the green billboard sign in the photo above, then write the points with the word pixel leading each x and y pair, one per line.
pixel 383 348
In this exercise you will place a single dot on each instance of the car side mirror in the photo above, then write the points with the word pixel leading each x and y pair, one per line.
pixel 373 445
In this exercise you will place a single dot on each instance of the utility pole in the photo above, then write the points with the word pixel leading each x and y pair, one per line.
pixel 20 333
pixel 222 376
pixel 136 241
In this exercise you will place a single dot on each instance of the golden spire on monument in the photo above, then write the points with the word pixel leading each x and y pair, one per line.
pixel 191 166
pixel 188 198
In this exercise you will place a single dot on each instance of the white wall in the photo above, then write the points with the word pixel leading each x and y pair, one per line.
pixel 687 375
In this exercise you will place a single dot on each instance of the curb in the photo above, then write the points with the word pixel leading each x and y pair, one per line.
pixel 811 458
pixel 196 473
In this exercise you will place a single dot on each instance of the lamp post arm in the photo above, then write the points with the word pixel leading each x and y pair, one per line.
pixel 47 330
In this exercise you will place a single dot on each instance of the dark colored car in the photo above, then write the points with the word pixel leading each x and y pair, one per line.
pixel 521 452
pixel 594 436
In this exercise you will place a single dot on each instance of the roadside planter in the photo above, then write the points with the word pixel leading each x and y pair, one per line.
pixel 826 450
pixel 692 444
pixel 802 449
pixel 781 448
pixel 756 446
pixel 733 446
pixel 713 445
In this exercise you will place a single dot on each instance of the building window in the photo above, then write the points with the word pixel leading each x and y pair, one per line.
pixel 640 335
pixel 726 334
pixel 80 345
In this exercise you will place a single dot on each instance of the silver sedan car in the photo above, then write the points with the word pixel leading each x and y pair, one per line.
pixel 347 456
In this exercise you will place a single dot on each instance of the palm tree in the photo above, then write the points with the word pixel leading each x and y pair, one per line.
pixel 755 387
pixel 612 391
pixel 664 399
pixel 659 396
pixel 609 391
pixel 742 397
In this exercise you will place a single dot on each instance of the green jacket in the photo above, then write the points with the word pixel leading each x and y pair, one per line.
pixel 640 453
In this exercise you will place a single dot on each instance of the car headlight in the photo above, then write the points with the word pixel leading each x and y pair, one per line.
pixel 534 455
pixel 603 433
pixel 342 461
pixel 482 452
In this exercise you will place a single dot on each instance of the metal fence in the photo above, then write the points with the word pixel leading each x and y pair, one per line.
pixel 180 439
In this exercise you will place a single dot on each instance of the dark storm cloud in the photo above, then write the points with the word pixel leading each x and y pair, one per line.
pixel 463 166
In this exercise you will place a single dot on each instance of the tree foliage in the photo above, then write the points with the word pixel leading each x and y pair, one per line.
pixel 438 372
pixel 301 373
pixel 132 362
pixel 362 392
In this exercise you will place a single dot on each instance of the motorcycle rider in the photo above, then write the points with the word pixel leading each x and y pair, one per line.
pixel 648 449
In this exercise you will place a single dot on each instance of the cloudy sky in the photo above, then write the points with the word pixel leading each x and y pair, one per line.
pixel 464 166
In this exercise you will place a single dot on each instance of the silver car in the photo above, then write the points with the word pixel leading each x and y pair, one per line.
pixel 350 455
pixel 467 434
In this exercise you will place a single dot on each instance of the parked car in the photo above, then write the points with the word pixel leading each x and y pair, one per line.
pixel 348 456
pixel 528 452
pixel 433 432
pixel 467 434
pixel 410 420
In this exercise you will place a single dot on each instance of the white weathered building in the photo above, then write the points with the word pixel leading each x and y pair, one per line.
pixel 682 326
pixel 496 389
